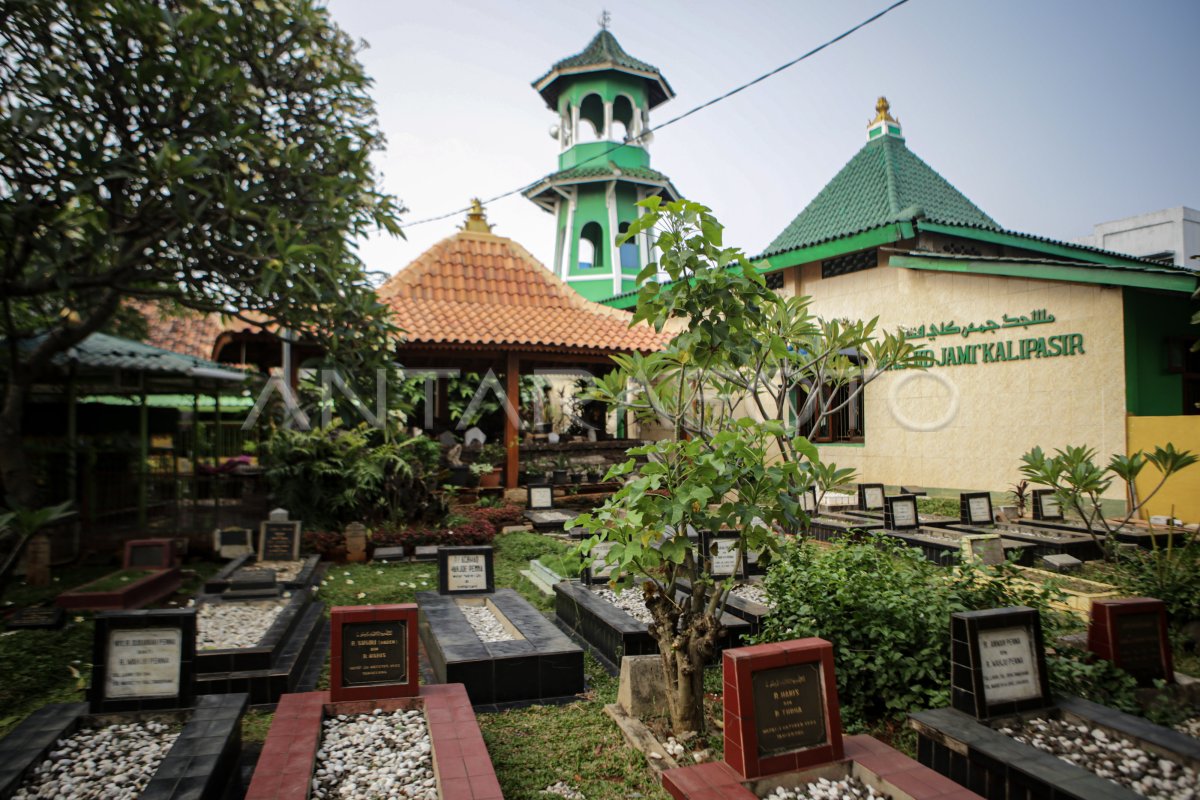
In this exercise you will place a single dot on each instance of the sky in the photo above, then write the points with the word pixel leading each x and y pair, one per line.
pixel 1051 115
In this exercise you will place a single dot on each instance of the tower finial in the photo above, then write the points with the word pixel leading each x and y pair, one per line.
pixel 884 122
pixel 477 218
pixel 605 19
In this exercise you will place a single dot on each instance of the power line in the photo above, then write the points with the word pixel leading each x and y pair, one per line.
pixel 604 153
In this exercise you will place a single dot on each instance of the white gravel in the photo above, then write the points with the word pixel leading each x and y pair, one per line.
pixel 825 789
pixel 753 593
pixel 486 624
pixel 222 626
pixel 629 600
pixel 111 763
pixel 284 570
pixel 1190 727
pixel 384 755
pixel 563 789
pixel 1110 756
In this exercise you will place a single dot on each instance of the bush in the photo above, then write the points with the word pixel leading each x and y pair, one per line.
pixel 1171 574
pixel 887 612
pixel 330 477
pixel 499 516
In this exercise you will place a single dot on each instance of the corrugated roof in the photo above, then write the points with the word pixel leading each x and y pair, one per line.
pixel 481 289
pixel 604 52
pixel 104 351
pixel 883 183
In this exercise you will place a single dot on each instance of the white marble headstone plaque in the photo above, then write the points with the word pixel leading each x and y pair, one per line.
pixel 541 497
pixel 143 662
pixel 1008 666
pixel 873 497
pixel 466 572
pixel 725 558
pixel 979 510
pixel 904 513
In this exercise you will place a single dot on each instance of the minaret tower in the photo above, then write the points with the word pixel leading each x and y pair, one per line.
pixel 602 97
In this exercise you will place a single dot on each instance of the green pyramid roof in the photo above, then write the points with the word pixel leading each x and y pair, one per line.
pixel 604 52
pixel 884 183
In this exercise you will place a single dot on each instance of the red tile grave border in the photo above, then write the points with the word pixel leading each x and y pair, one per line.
pixel 460 758
pixel 136 594
pixel 897 774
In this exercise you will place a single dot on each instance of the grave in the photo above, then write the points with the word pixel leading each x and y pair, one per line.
pixel 374 676
pixel 986 548
pixel 1000 693
pixel 395 553
pixel 233 542
pixel 143 660
pixel 1127 534
pixel 38 617
pixel 1045 505
pixel 746 600
pixel 200 764
pixel 425 552
pixel 279 537
pixel 782 729
pixel 870 496
pixel 975 508
pixel 550 520
pixel 830 525
pixel 1045 541
pixel 1062 563
pixel 148 574
pixel 1132 634
pixel 494 642
pixel 586 608
pixel 356 542
pixel 37 561
pixel 907 501
pixel 941 545
pixel 274 664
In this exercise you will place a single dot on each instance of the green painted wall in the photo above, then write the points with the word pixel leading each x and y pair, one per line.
pixel 628 156
pixel 606 84
pixel 1150 320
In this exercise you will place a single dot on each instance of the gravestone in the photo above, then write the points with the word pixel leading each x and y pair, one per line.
pixel 780 707
pixel 37 560
pixel 596 570
pixel 233 542
pixel 149 553
pixel 143 660
pixel 373 652
pixel 1046 505
pixel 984 547
pixel 50 618
pixel 425 552
pixel 388 553
pixel 1132 634
pixel 870 496
pixel 998 662
pixel 279 537
pixel 721 553
pixel 1061 562
pixel 975 508
pixel 356 542
pixel 539 497
pixel 465 570
pixel 900 513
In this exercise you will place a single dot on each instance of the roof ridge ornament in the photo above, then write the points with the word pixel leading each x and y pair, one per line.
pixel 884 123
pixel 476 218
pixel 604 19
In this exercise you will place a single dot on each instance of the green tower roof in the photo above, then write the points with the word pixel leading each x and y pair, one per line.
pixel 603 53
pixel 884 183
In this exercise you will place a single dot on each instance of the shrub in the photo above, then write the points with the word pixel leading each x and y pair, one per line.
pixel 1171 574
pixel 887 612
pixel 330 477
pixel 499 516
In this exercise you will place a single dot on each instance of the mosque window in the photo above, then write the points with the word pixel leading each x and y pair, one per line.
pixel 591 110
pixel 591 246
pixel 629 250
pixel 622 112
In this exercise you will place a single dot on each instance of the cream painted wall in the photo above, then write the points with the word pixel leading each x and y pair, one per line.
pixel 966 427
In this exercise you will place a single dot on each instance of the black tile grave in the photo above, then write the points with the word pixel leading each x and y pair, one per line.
pixel 279 541
pixel 1128 534
pixel 542 664
pixel 396 553
pixel 550 520
pixel 466 570
pixel 828 526
pixel 272 667
pixel 201 764
pixel 425 552
pixel 1045 505
pixel 223 579
pixel 720 554
pixel 1044 541
pixel 753 613
pixel 900 512
pixel 612 633
pixel 539 496
pixel 143 660
pixel 975 509
pixel 870 497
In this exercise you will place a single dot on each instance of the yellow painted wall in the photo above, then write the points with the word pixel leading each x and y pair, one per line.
pixel 966 427
pixel 1182 491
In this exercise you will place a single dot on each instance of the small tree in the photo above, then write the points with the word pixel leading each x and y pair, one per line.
pixel 1079 483
pixel 748 374
pixel 204 154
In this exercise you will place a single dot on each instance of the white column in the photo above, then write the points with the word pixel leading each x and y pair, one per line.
pixel 610 196
pixel 568 238
pixel 574 124
pixel 607 134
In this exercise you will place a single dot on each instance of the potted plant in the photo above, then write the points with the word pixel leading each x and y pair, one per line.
pixel 560 469
pixel 486 475
pixel 595 473
pixel 576 474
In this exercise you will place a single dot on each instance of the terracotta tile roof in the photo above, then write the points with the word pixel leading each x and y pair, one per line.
pixel 481 289
pixel 189 332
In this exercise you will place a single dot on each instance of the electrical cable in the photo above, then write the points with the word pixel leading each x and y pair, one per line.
pixel 848 32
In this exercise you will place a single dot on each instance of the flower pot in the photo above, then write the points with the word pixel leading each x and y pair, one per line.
pixel 576 477
pixel 460 475
pixel 491 480
pixel 560 476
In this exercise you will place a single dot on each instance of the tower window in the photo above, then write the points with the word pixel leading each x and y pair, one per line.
pixel 629 250
pixel 592 110
pixel 622 112
pixel 591 246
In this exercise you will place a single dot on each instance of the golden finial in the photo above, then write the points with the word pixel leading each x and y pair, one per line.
pixel 477 218
pixel 882 109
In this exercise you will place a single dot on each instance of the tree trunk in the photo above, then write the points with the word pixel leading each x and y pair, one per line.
pixel 19 486
pixel 684 648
